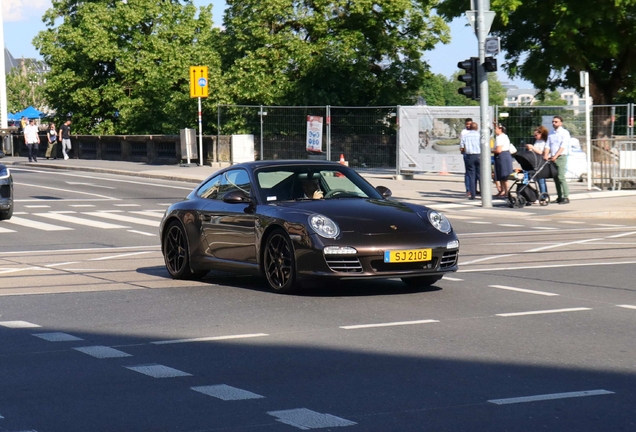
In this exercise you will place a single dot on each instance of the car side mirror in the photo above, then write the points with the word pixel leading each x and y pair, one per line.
pixel 384 191
pixel 236 196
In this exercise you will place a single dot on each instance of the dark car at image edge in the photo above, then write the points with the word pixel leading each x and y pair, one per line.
pixel 255 218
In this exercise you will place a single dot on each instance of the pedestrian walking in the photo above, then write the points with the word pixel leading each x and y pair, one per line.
pixel 65 137
pixel 540 138
pixel 470 147
pixel 32 140
pixel 464 131
pixel 52 141
pixel 556 150
pixel 503 160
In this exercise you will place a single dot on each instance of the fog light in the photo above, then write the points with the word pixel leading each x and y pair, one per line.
pixel 452 244
pixel 339 250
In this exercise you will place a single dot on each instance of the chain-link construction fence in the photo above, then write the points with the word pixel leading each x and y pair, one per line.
pixel 368 136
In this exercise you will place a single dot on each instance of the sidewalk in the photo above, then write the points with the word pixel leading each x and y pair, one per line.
pixel 430 189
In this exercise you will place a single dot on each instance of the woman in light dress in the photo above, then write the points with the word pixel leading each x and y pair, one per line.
pixel 503 160
pixel 540 139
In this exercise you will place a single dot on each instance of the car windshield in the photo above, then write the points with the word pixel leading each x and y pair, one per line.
pixel 296 183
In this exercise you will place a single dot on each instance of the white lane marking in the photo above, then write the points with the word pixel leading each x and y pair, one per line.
pixel 622 235
pixel 61 264
pixel 529 291
pixel 543 267
pixel 212 338
pixel 124 218
pixel 80 221
pixel 487 259
pixel 550 397
pixel 165 204
pixel 389 324
pixel 572 222
pixel 99 351
pixel 57 337
pixel 480 222
pixel 452 279
pixel 142 233
pixel 226 392
pixel 37 225
pixel 15 270
pixel 82 205
pixel 564 230
pixel 303 418
pixel 540 312
pixel 6 230
pixel 55 251
pixel 510 225
pixel 127 205
pixel 459 217
pixel 37 206
pixel 451 206
pixel 18 324
pixel 627 306
pixel 62 212
pixel 561 245
pixel 609 225
pixel 93 185
pixel 118 256
pixel 150 213
pixel 75 192
pixel 158 371
pixel 543 228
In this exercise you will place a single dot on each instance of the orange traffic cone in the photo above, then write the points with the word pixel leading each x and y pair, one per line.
pixel 444 170
pixel 342 159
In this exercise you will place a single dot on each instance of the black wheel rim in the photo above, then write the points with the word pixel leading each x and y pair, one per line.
pixel 175 249
pixel 278 261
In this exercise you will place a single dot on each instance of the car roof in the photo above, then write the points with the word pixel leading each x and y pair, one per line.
pixel 255 165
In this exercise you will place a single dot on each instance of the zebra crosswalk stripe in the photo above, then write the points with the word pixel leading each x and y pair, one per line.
pixel 124 218
pixel 37 225
pixel 80 221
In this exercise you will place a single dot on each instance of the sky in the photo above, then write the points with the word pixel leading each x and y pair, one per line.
pixel 23 20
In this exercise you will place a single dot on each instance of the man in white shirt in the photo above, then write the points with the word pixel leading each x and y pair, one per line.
pixel 32 140
pixel 556 150
pixel 471 149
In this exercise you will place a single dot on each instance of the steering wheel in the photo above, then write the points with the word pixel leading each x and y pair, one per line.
pixel 333 192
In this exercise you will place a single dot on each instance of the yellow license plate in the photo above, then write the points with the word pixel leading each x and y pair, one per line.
pixel 408 255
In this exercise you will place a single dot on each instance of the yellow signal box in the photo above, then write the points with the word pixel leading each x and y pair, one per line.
pixel 198 81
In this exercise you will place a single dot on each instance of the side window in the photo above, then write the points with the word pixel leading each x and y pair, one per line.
pixel 233 180
pixel 210 189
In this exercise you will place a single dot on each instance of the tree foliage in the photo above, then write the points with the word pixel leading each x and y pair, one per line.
pixel 123 66
pixel 548 42
pixel 337 52
pixel 24 88
pixel 441 91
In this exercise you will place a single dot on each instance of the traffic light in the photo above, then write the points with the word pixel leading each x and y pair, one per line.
pixel 471 66
pixel 490 64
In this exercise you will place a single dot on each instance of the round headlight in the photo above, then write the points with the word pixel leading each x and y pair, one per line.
pixel 439 221
pixel 324 226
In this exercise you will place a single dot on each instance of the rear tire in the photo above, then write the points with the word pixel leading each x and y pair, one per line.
pixel 279 263
pixel 176 253
pixel 421 281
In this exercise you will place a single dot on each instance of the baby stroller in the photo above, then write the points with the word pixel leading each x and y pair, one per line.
pixel 525 190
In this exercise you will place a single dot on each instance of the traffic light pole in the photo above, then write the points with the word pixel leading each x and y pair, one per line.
pixel 486 168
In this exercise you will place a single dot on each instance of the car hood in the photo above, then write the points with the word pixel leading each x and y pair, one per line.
pixel 366 216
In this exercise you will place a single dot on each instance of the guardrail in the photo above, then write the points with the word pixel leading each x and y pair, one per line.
pixel 150 149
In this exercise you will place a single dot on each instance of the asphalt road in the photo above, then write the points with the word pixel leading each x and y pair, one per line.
pixel 535 332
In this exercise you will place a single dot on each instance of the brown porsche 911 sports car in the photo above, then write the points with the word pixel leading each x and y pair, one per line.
pixel 303 221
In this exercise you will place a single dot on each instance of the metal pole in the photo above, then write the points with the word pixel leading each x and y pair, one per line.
pixel 261 113
pixel 398 172
pixel 328 132
pixel 200 136
pixel 486 170
pixel 218 133
pixel 588 133
pixel 3 82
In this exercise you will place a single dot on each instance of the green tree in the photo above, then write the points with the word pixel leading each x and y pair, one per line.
pixel 496 91
pixel 552 98
pixel 24 88
pixel 548 42
pixel 123 66
pixel 337 52
pixel 433 89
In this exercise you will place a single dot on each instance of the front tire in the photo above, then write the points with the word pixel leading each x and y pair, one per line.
pixel 176 253
pixel 279 262
pixel 7 214
pixel 421 281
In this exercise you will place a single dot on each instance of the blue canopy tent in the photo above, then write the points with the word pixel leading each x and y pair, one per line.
pixel 30 113
pixel 13 117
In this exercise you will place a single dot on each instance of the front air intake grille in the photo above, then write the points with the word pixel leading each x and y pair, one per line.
pixel 5 191
pixel 449 259
pixel 381 266
pixel 344 264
